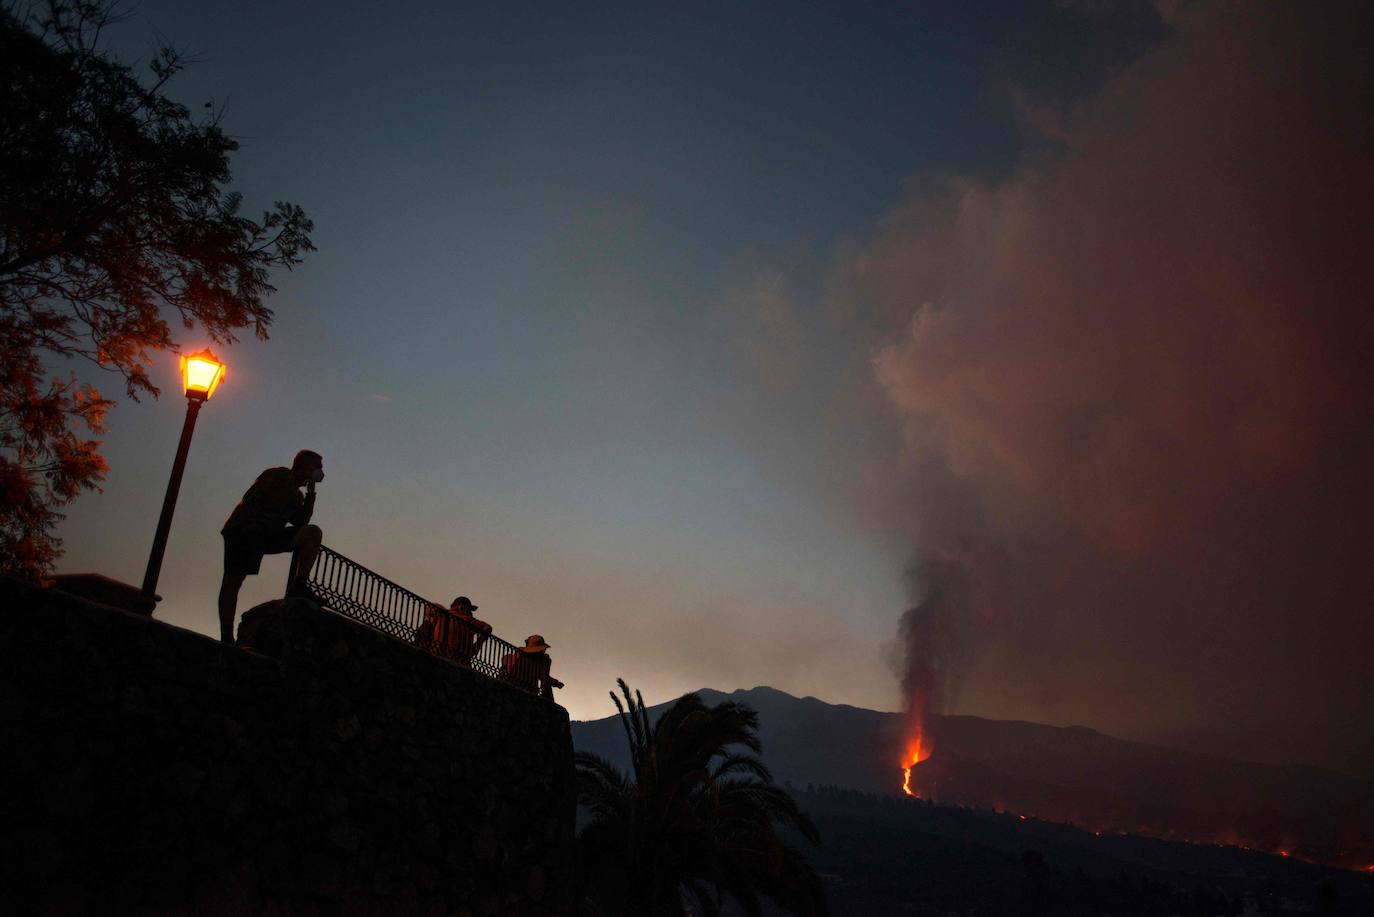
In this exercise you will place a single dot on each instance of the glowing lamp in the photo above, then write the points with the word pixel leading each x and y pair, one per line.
pixel 200 374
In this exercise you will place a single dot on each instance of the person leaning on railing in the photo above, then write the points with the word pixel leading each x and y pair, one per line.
pixel 272 518
pixel 528 667
pixel 454 633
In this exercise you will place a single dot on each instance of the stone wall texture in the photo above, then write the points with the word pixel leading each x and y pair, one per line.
pixel 146 769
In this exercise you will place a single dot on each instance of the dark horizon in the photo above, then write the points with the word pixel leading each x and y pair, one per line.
pixel 1070 775
pixel 715 694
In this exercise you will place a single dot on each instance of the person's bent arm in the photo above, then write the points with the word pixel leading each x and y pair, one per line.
pixel 481 630
pixel 302 516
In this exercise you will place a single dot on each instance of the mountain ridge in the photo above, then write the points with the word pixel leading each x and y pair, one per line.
pixel 1074 774
pixel 713 695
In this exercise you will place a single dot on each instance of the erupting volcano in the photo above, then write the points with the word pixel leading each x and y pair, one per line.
pixel 918 746
pixel 929 639
pixel 1053 775
pixel 917 750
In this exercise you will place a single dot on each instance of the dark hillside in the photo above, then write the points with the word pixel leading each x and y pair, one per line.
pixel 883 855
pixel 1069 774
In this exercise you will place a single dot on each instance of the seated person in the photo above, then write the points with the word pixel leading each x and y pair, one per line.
pixel 528 668
pixel 464 633
pixel 454 633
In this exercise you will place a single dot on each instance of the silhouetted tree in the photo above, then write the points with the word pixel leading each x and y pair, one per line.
pixel 113 215
pixel 696 819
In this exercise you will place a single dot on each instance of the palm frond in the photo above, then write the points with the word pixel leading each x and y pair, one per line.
pixel 697 820
pixel 627 719
pixel 734 763
pixel 706 895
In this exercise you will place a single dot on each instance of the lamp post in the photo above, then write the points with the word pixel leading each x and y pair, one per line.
pixel 201 374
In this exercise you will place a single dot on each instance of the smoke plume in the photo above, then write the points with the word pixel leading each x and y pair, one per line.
pixel 1136 397
pixel 931 638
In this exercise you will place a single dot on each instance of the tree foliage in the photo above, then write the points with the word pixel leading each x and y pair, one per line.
pixel 697 819
pixel 114 218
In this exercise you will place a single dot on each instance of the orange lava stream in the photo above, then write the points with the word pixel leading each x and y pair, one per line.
pixel 916 752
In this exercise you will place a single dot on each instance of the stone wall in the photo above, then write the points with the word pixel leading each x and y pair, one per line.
pixel 147 769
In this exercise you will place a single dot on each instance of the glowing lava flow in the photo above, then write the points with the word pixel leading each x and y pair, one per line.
pixel 916 752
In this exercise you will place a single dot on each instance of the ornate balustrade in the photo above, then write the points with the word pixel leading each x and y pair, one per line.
pixel 347 588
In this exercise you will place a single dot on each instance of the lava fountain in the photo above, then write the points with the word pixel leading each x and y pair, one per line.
pixel 919 686
pixel 918 749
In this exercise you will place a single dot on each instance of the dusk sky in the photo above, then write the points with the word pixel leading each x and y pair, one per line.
pixel 705 340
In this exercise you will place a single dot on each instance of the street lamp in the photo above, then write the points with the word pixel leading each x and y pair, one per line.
pixel 201 374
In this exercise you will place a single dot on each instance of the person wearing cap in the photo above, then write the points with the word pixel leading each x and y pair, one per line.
pixel 465 633
pixel 272 518
pixel 455 632
pixel 528 667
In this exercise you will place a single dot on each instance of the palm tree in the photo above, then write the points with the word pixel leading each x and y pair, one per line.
pixel 695 821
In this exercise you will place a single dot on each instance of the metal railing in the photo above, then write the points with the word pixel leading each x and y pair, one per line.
pixel 348 588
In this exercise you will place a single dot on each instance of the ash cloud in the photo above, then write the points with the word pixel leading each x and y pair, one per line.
pixel 1134 387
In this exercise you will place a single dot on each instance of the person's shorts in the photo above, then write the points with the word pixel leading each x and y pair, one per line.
pixel 243 552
